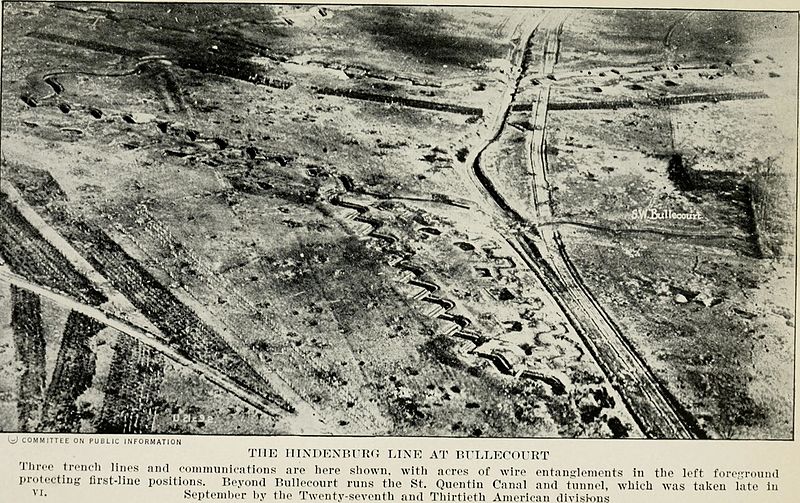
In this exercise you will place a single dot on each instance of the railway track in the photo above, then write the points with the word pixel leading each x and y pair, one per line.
pixel 656 412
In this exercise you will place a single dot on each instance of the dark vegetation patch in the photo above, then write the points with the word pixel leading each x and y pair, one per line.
pixel 259 179
pixel 618 430
pixel 731 188
pixel 771 206
pixel 331 377
pixel 131 400
pixel 433 37
pixel 37 185
pixel 406 411
pixel 728 389
pixel 679 173
pixel 26 321
pixel 524 396
pixel 441 349
pixel 718 36
pixel 28 254
pixel 72 376
pixel 638 35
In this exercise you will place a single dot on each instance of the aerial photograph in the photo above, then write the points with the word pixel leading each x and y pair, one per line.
pixel 365 220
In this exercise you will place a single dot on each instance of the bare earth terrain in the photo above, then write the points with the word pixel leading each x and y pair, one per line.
pixel 364 220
